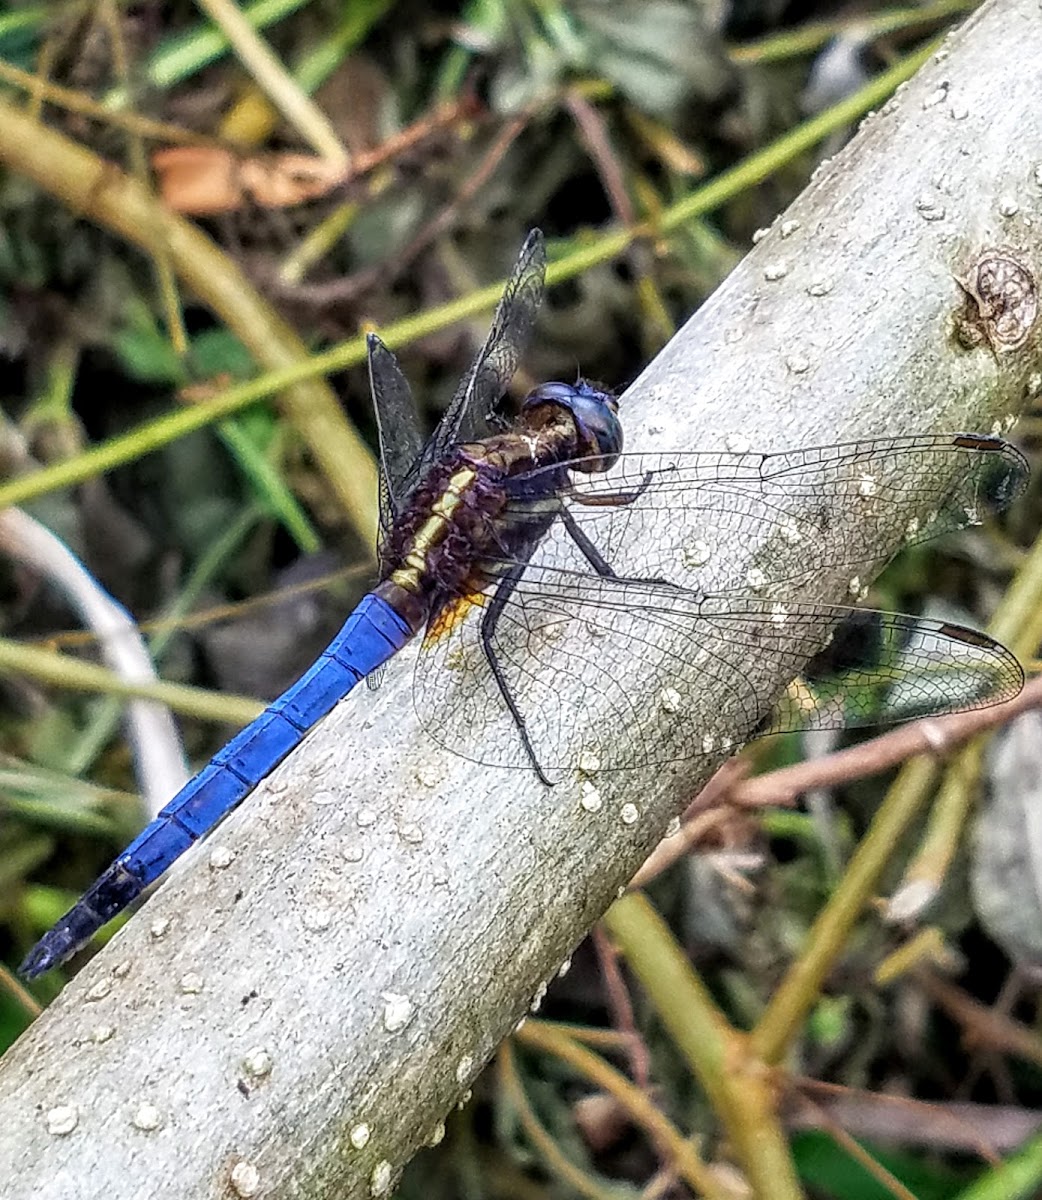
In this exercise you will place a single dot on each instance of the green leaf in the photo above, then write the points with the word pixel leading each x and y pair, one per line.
pixel 825 1166
pixel 145 351
pixel 219 352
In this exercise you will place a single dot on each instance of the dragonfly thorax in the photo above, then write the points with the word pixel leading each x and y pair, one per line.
pixel 435 537
pixel 454 521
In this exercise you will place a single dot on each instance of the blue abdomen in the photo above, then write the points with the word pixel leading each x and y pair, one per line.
pixel 368 638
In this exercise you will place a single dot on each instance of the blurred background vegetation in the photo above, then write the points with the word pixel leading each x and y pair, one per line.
pixel 197 244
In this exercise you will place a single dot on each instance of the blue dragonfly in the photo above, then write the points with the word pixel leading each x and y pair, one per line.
pixel 532 551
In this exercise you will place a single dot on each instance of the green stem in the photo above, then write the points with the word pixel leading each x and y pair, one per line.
pixel 65 671
pixel 758 167
pixel 164 430
pixel 1017 622
pixel 798 991
pixel 738 1086
pixel 98 190
pixel 574 1178
pixel 805 39
pixel 551 1039
pixel 1019 1176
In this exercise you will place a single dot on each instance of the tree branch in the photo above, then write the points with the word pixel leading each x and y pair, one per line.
pixel 303 1003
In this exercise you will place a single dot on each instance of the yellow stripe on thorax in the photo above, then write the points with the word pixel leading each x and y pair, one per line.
pixel 433 530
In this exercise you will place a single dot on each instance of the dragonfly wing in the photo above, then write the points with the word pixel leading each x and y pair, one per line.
pixel 884 668
pixel 469 414
pixel 613 675
pixel 684 517
pixel 401 442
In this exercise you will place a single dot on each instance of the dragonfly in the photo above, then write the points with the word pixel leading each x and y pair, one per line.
pixel 534 555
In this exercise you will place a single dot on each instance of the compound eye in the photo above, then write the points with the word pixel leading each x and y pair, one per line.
pixel 550 393
pixel 596 416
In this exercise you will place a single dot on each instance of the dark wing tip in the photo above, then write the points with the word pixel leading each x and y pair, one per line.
pixel 1009 471
pixel 970 637
pixel 1007 667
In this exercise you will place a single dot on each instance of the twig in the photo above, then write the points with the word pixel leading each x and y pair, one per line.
pixel 622 1009
pixel 738 1087
pixel 273 79
pixel 933 736
pixel 161 265
pixel 343 291
pixel 982 1129
pixel 702 814
pixel 217 612
pixel 638 1105
pixel 556 1161
pixel 857 1152
pixel 74 101
pixel 591 129
pixel 981 1025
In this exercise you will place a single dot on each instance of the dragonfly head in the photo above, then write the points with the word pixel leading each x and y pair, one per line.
pixel 595 412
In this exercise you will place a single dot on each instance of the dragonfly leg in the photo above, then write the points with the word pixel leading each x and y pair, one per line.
pixel 594 557
pixel 488 628
pixel 612 499
pixel 589 551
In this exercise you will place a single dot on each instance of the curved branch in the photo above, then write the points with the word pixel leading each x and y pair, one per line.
pixel 302 1004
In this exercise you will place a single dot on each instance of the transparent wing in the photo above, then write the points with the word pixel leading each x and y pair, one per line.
pixel 654 674
pixel 467 417
pixel 804 512
pixel 401 442
pixel 889 667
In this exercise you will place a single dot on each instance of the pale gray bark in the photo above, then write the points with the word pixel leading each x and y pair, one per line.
pixel 311 995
